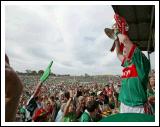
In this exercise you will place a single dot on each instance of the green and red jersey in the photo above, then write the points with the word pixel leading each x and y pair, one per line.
pixel 133 90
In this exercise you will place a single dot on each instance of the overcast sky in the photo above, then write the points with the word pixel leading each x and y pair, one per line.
pixel 72 36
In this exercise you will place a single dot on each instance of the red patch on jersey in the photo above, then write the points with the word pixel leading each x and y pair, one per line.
pixel 129 72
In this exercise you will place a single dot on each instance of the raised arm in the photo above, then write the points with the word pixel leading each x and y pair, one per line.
pixel 119 53
pixel 37 90
pixel 66 109
pixel 126 42
pixel 127 46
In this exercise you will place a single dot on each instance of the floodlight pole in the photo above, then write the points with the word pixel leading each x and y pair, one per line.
pixel 150 35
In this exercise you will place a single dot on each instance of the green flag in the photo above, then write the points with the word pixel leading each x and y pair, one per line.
pixel 46 73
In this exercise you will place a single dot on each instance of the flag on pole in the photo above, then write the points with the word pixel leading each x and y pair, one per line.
pixel 46 72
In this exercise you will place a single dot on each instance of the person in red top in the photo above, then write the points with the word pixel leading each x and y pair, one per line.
pixel 107 90
pixel 40 115
pixel 43 114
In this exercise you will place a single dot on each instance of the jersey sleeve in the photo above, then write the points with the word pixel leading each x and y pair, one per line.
pixel 142 64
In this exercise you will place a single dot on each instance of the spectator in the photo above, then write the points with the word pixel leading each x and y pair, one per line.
pixel 90 112
pixel 70 109
pixel 100 100
pixel 63 101
pixel 55 107
pixel 80 106
pixel 151 92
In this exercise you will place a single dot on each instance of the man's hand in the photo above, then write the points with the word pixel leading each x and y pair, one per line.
pixel 71 93
pixel 113 34
pixel 13 90
pixel 75 92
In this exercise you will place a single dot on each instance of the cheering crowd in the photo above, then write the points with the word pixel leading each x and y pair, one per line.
pixel 69 102
pixel 73 102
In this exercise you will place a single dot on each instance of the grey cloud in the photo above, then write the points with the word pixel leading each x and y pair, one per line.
pixel 27 27
pixel 85 57
pixel 67 64
pixel 88 38
pixel 38 53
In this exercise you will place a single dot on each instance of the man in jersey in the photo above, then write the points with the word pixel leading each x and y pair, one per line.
pixel 133 92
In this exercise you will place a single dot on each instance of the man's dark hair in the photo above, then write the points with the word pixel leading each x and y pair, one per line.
pixel 107 85
pixel 52 98
pixel 93 94
pixel 79 93
pixel 92 105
